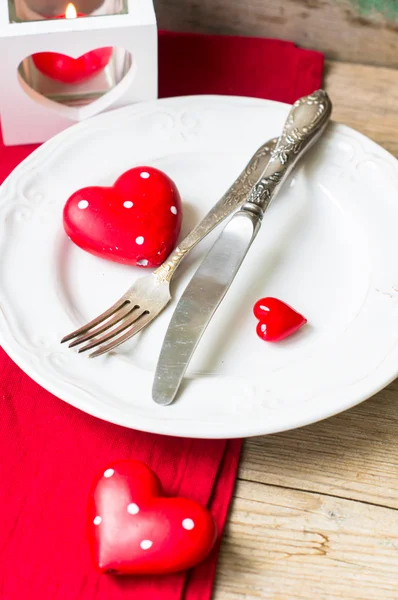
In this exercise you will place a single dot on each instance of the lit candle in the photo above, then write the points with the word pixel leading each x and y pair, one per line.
pixel 67 69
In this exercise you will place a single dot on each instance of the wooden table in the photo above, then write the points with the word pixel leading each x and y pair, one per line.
pixel 315 510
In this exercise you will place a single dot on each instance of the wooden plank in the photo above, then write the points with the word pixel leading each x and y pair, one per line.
pixel 365 98
pixel 359 31
pixel 289 545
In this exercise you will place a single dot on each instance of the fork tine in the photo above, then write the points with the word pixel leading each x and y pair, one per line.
pixel 111 334
pixel 119 316
pixel 143 322
pixel 105 315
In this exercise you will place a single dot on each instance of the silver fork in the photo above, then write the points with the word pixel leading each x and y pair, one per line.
pixel 149 295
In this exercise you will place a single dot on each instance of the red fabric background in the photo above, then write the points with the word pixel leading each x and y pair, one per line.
pixel 49 451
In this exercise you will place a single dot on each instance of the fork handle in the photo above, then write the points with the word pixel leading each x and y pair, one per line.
pixel 233 199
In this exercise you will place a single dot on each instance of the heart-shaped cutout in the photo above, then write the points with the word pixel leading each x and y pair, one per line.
pixel 277 320
pixel 133 529
pixel 136 222
pixel 77 87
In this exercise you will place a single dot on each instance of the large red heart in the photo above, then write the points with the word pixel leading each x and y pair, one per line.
pixel 132 529
pixel 135 222
pixel 277 320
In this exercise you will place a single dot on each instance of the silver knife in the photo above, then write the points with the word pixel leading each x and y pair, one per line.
pixel 305 123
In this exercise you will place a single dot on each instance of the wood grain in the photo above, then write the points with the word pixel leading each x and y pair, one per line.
pixel 343 30
pixel 365 98
pixel 315 509
pixel 287 545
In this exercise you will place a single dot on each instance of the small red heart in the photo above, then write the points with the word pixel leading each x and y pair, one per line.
pixel 277 320
pixel 135 222
pixel 133 529
pixel 67 69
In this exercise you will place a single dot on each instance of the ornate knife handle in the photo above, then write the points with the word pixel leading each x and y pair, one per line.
pixel 305 123
pixel 256 185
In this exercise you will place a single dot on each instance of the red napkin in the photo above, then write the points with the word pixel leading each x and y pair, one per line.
pixel 50 451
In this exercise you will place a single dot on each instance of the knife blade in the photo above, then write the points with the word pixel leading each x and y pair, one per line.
pixel 306 122
pixel 200 301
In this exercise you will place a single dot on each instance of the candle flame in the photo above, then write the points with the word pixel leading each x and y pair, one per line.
pixel 70 12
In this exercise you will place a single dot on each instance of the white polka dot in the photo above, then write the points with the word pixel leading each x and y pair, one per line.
pixel 144 175
pixel 133 509
pixel 263 328
pixel 264 307
pixel 146 544
pixel 188 524
pixel 173 210
pixel 143 262
pixel 128 204
pixel 139 240
pixel 109 473
pixel 82 204
pixel 97 520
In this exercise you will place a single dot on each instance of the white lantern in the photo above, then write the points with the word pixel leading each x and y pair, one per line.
pixel 42 94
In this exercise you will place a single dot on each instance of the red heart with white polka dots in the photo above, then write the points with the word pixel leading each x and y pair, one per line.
pixel 133 529
pixel 137 221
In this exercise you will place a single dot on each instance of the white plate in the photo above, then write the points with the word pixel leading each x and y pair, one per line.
pixel 328 246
